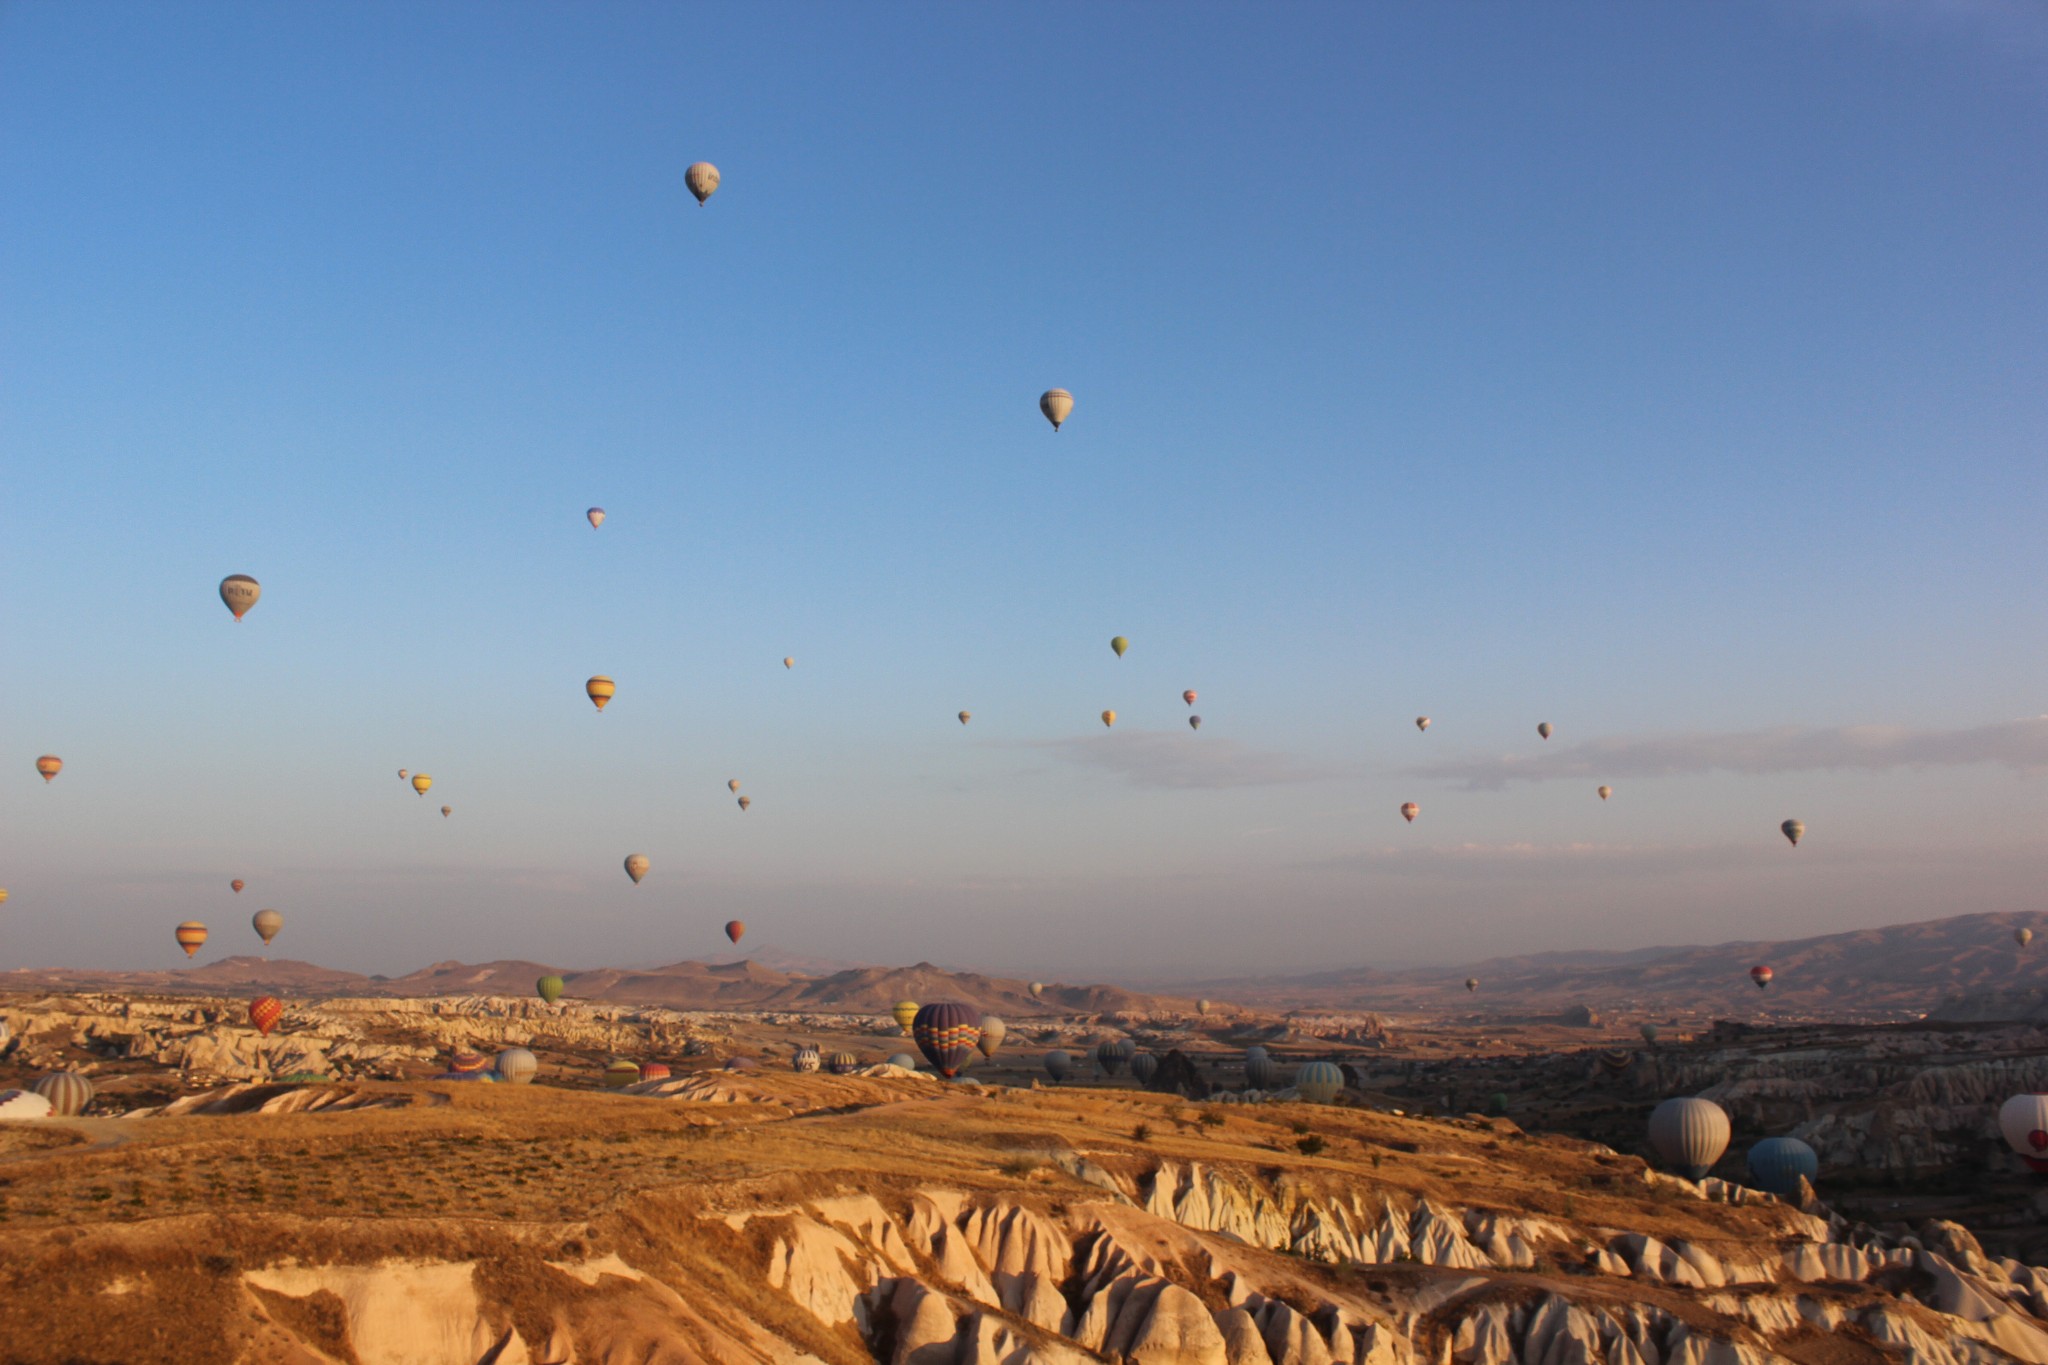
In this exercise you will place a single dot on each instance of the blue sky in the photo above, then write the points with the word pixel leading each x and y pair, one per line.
pixel 1670 373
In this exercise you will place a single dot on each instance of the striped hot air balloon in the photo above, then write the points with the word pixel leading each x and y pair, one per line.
pixel 1320 1082
pixel 67 1091
pixel 621 1074
pixel 654 1071
pixel 1616 1060
pixel 516 1066
pixel 1112 1053
pixel 946 1035
pixel 600 690
pixel 1144 1067
pixel 1689 1133
pixel 904 1012
pixel 1261 1072
pixel 807 1058
pixel 191 935
pixel 842 1064
pixel 49 765
pixel 264 1012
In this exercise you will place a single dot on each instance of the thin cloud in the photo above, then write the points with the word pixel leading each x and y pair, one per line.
pixel 2017 744
pixel 1163 758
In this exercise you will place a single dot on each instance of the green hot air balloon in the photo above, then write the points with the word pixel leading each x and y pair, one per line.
pixel 549 988
pixel 1119 644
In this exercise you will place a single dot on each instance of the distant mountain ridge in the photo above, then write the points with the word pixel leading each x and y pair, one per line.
pixel 1898 970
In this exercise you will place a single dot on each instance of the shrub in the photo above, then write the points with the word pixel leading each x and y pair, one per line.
pixel 1142 1133
pixel 1311 1145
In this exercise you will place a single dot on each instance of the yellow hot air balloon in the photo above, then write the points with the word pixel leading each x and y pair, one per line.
pixel 600 690
pixel 702 179
pixel 966 716
pixel 1119 644
pixel 732 784
pixel 596 515
pixel 420 783
pixel 49 765
pixel 904 1012
pixel 240 592
pixel 1057 405
pixel 2020 936
pixel 789 661
pixel 636 866
pixel 3 895
pixel 1108 718
pixel 1606 792
pixel 190 935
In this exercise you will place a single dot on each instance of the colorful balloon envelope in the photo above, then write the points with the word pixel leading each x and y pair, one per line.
pixel 600 690
pixel 1194 722
pixel 1188 696
pixel 1422 722
pixel 264 1012
pixel 549 988
pixel 1108 718
pixel 807 1058
pixel 1409 810
pixel 240 592
pixel 904 1013
pixel 1057 405
pixel 596 516
pixel 421 782
pixel 67 1091
pixel 636 866
pixel 1544 729
pixel 734 929
pixel 746 801
pixel 702 180
pixel 1762 976
pixel 946 1034
pixel 236 886
pixel 190 935
pixel 621 1074
pixel 966 716
pixel 1795 830
pixel 842 1064
pixel 49 765
pixel 1320 1082
pixel 2023 1122
pixel 266 923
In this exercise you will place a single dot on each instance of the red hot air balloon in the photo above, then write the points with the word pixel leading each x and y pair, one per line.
pixel 1188 696
pixel 1409 810
pixel 1761 975
pixel 264 1012
pixel 236 886
pixel 946 1035
pixel 734 928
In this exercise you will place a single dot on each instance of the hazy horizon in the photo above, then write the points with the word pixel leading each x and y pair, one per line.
pixel 1671 375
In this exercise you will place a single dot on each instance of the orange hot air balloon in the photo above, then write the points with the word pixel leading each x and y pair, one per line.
pixel 236 885
pixel 49 765
pixel 600 689
pixel 789 662
pixel 1108 718
pixel 734 929
pixel 264 1012
pixel 746 801
pixel 1762 976
pixel 1409 810
pixel 732 784
pixel 1188 696
pixel 190 935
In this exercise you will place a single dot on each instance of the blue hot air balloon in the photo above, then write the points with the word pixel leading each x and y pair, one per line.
pixel 1320 1082
pixel 1777 1164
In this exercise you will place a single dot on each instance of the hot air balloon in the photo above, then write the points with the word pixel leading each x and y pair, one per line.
pixel 1544 729
pixel 236 886
pixel 1778 1164
pixel 1108 718
pixel 67 1091
pixel 1112 1053
pixel 600 690
pixel 1471 983
pixel 904 1012
pixel 1057 405
pixel 1119 644
pixel 3 901
pixel 789 661
pixel 636 866
pixel 842 1064
pixel 240 592
pixel 1194 722
pixel 746 801
pixel 1260 1071
pixel 1204 1006
pixel 702 180
pixel 1037 989
pixel 2023 1120
pixel 190 935
pixel 447 811
pixel 49 765
pixel 734 928
pixel 807 1058
pixel 654 1071
pixel 946 1035
pixel 732 784
pixel 402 774
pixel 2023 936
pixel 1057 1065
pixel 1649 1032
pixel 904 1060
pixel 966 716
pixel 1761 975
pixel 420 783
pixel 266 924
pixel 1615 1060
pixel 621 1074
pixel 1409 810
pixel 1606 792
pixel 264 1012
pixel 516 1066
pixel 549 989
pixel 1689 1134
pixel 1188 696
pixel 1795 830
pixel 992 1031
pixel 1320 1082
pixel 1422 722
pixel 1144 1067
pixel 596 515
